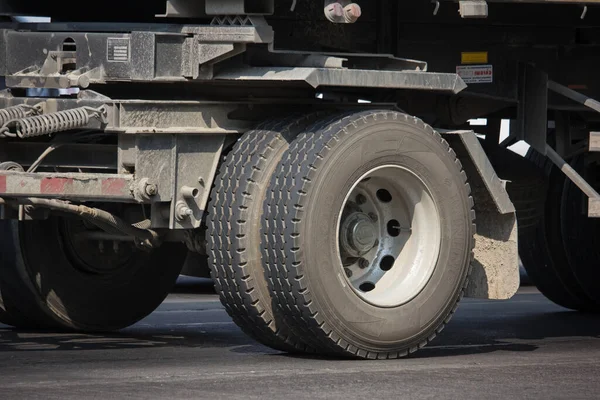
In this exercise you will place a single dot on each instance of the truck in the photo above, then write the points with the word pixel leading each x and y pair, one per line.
pixel 314 157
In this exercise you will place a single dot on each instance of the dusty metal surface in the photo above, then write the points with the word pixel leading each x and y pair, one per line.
pixel 149 116
pixel 479 167
pixel 177 117
pixel 572 174
pixel 594 145
pixel 495 272
pixel 182 167
pixel 80 59
pixel 105 187
pixel 95 156
pixel 196 162
pixel 594 208
pixel 324 77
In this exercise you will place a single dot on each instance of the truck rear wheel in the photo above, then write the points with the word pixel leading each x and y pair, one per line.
pixel 58 280
pixel 581 236
pixel 234 236
pixel 370 230
pixel 543 250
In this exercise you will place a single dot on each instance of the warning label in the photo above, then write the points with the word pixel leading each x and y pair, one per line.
pixel 476 73
pixel 118 50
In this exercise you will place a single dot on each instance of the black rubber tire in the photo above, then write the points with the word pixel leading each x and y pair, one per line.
pixel 7 317
pixel 43 282
pixel 543 252
pixel 526 185
pixel 234 236
pixel 581 237
pixel 301 215
pixel 12 319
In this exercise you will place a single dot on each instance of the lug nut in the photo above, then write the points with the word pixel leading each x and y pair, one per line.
pixel 361 199
pixel 348 272
pixel 373 217
pixel 363 263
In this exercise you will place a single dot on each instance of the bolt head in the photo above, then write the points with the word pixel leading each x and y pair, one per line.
pixel 352 12
pixel 361 199
pixel 151 190
pixel 363 263
pixel 183 211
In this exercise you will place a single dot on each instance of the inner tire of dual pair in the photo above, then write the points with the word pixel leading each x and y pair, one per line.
pixel 234 235
pixel 316 174
pixel 40 279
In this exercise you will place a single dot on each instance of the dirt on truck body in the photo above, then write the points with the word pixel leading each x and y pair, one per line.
pixel 315 158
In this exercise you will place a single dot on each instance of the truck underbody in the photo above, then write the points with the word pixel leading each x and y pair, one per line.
pixel 315 157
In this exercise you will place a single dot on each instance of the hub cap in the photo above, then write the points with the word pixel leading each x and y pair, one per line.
pixel 389 236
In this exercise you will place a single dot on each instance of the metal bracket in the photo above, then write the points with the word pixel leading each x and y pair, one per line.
pixel 579 181
pixel 93 187
pixel 594 145
pixel 479 168
pixel 495 272
pixel 473 8
pixel 329 77
pixel 570 172
pixel 181 167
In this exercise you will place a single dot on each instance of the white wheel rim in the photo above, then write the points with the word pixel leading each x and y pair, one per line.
pixel 389 236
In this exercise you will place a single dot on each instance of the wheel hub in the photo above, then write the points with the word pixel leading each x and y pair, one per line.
pixel 389 236
pixel 98 257
pixel 360 234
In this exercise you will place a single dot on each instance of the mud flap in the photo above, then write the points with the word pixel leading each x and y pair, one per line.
pixel 495 273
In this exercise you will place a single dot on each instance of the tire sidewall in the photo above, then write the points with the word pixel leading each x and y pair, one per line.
pixel 83 301
pixel 368 145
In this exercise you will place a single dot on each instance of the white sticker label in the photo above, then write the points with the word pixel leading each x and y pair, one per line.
pixel 118 50
pixel 476 73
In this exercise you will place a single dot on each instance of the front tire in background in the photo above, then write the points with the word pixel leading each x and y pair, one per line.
pixel 57 280
pixel 370 232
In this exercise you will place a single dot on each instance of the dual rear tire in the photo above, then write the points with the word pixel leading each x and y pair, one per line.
pixel 365 225
pixel 52 279
pixel 560 255
pixel 347 234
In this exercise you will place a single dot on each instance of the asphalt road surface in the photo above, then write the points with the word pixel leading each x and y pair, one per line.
pixel 522 349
